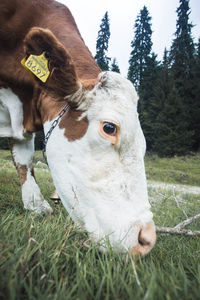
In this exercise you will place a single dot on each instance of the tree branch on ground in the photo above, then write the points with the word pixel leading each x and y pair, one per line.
pixel 178 228
pixel 188 221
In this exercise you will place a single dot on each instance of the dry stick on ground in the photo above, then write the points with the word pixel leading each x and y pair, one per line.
pixel 177 231
pixel 178 228
pixel 188 221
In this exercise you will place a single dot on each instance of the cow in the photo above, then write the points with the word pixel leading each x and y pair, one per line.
pixel 94 143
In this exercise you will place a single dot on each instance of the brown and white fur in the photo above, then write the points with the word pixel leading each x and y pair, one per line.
pixel 99 176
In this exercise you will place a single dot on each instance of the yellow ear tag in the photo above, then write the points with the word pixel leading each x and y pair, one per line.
pixel 38 65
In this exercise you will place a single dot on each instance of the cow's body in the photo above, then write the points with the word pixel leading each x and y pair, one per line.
pixel 91 189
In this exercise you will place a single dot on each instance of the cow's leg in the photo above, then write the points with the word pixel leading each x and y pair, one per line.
pixel 12 115
pixel 22 153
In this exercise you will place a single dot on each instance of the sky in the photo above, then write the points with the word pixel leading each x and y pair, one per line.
pixel 122 14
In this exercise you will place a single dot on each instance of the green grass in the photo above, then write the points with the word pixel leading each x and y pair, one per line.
pixel 183 170
pixel 51 258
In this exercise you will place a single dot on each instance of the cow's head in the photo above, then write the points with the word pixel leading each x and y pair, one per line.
pixel 96 153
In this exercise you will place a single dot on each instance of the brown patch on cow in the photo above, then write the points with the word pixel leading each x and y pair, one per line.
pixel 49 107
pixel 74 128
pixel 22 171
pixel 31 116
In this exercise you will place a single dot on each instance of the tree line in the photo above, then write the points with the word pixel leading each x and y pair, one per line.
pixel 169 90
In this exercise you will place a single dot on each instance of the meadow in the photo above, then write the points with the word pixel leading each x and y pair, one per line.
pixel 51 258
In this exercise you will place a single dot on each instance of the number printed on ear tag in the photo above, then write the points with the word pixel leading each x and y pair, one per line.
pixel 38 65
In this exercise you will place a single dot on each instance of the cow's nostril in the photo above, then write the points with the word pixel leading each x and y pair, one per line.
pixel 143 239
pixel 146 240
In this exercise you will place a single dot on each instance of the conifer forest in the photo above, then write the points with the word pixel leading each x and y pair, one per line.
pixel 169 90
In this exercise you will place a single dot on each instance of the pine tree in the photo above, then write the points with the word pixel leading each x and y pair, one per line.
pixel 166 113
pixel 141 47
pixel 182 64
pixel 182 50
pixel 160 90
pixel 102 44
pixel 172 136
pixel 149 80
pixel 114 66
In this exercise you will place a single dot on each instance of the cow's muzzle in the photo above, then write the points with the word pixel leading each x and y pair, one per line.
pixel 146 240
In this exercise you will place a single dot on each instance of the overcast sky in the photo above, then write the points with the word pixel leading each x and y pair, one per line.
pixel 122 14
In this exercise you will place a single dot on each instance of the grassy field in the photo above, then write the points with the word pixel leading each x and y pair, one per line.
pixel 183 170
pixel 51 258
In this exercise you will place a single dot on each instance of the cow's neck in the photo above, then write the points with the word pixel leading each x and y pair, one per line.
pixel 49 107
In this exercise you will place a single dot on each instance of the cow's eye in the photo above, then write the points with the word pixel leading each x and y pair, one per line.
pixel 110 131
pixel 110 128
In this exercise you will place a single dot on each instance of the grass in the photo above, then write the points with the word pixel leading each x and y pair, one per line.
pixel 183 170
pixel 51 258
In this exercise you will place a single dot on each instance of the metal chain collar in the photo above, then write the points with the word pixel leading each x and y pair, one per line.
pixel 54 124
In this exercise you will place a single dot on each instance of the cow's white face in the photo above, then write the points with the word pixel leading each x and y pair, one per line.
pixel 100 177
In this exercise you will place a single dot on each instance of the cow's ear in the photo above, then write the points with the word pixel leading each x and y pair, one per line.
pixel 41 44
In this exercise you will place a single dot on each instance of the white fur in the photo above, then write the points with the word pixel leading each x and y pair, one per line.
pixel 103 186
pixel 11 125
pixel 32 197
pixel 11 115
